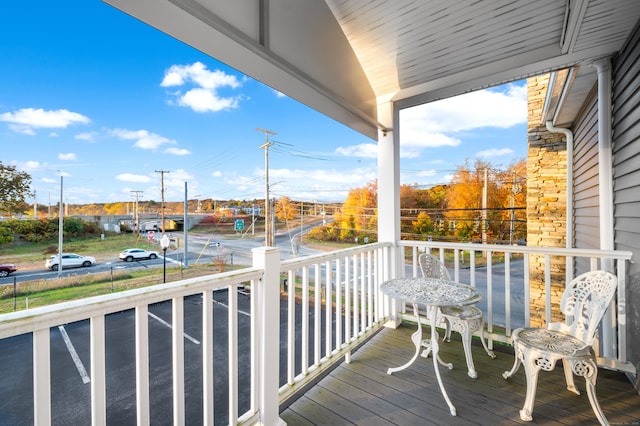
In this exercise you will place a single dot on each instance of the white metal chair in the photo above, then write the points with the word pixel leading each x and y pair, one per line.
pixel 466 320
pixel 584 302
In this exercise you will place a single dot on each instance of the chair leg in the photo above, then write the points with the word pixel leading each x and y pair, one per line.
pixel 447 332
pixel 516 364
pixel 484 344
pixel 589 370
pixel 465 332
pixel 531 369
pixel 568 376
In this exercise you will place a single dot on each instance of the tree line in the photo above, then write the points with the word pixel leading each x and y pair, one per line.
pixel 480 203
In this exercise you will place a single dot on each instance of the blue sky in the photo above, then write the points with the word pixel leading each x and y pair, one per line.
pixel 92 94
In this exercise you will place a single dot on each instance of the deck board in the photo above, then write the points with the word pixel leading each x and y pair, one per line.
pixel 363 393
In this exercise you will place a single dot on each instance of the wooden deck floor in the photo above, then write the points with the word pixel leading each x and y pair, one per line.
pixel 362 393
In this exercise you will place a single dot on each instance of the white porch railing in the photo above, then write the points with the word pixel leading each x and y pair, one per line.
pixel 40 321
pixel 340 306
pixel 506 291
pixel 338 290
pixel 328 306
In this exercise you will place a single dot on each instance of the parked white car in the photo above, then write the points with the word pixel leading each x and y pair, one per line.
pixel 129 255
pixel 69 260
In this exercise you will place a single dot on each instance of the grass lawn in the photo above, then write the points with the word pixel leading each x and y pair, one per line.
pixel 43 292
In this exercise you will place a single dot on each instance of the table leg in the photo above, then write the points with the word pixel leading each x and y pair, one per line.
pixel 435 347
pixel 416 338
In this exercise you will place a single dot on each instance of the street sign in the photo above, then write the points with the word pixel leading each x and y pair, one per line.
pixel 150 235
pixel 239 224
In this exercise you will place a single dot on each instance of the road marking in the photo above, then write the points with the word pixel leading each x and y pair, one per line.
pixel 163 322
pixel 226 306
pixel 74 355
pixel 170 260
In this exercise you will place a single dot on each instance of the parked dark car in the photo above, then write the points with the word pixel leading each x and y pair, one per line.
pixel 6 269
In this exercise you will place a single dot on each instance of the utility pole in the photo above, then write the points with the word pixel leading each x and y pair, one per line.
pixel 514 190
pixel 269 239
pixel 136 216
pixel 484 208
pixel 162 172
pixel 60 228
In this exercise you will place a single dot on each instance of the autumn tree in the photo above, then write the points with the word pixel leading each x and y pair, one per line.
pixel 14 188
pixel 431 198
pixel 512 196
pixel 285 210
pixel 423 225
pixel 408 199
pixel 465 206
pixel 358 215
pixel 115 208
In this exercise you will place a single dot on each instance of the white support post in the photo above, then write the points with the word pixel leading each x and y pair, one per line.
pixel 268 258
pixel 41 377
pixel 207 356
pixel 389 193
pixel 98 372
pixel 142 364
pixel 177 331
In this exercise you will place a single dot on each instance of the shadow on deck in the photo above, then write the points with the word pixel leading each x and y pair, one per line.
pixel 362 393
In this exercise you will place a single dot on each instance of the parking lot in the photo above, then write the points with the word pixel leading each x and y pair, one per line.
pixel 70 366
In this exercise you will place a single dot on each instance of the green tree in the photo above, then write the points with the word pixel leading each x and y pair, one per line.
pixel 14 188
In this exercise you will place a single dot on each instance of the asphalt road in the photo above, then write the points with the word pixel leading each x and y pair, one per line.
pixel 201 249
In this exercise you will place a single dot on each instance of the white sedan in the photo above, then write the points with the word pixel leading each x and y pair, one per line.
pixel 129 255
pixel 69 260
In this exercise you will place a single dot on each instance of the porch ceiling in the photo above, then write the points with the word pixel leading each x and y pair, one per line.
pixel 343 57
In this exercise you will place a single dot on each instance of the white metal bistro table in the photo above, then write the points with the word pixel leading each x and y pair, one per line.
pixel 434 293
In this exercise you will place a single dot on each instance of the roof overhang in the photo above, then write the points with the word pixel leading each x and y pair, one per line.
pixel 343 58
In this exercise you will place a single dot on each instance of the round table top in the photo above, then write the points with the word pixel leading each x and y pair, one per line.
pixel 431 291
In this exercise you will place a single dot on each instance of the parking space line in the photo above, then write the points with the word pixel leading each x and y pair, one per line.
pixel 163 322
pixel 74 355
pixel 239 311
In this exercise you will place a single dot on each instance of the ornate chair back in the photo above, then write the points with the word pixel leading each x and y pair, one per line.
pixel 584 302
pixel 431 267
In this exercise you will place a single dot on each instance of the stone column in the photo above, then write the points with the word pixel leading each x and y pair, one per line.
pixel 546 202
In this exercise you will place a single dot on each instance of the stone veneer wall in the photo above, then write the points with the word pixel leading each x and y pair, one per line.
pixel 546 202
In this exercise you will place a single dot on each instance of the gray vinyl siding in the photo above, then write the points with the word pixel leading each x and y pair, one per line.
pixel 586 226
pixel 626 178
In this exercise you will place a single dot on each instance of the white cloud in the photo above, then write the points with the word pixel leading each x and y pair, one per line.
pixel 21 128
pixel 495 152
pixel 364 150
pixel 29 166
pixel 89 136
pixel 217 173
pixel 205 100
pixel 130 177
pixel 204 96
pixel 47 180
pixel 27 119
pixel 348 178
pixel 143 138
pixel 67 157
pixel 435 124
pixel 177 151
